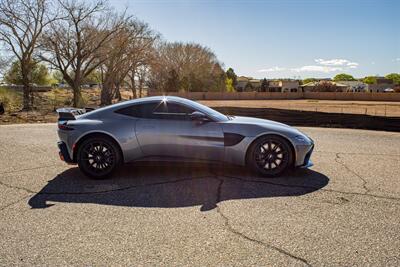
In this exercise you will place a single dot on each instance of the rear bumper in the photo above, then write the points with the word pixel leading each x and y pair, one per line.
pixel 63 153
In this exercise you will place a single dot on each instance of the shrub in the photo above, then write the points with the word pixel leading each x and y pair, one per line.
pixel 10 98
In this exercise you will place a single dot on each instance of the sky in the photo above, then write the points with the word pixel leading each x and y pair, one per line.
pixel 283 39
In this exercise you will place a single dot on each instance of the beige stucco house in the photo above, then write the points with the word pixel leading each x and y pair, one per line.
pixel 283 86
pixel 310 87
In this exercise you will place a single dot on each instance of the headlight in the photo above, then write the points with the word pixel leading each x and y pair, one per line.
pixel 302 139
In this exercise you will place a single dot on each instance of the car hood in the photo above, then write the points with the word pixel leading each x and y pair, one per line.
pixel 240 119
pixel 266 124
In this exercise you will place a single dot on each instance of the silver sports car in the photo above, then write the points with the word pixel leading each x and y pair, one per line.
pixel 165 128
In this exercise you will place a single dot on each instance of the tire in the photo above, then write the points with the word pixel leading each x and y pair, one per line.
pixel 270 156
pixel 98 157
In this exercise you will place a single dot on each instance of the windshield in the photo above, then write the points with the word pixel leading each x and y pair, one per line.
pixel 209 111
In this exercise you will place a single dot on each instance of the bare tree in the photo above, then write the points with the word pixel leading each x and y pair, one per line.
pixel 129 49
pixel 143 56
pixel 186 67
pixel 75 44
pixel 113 65
pixel 142 76
pixel 21 24
pixel 4 62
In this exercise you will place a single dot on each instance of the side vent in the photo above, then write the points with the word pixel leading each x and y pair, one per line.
pixel 231 139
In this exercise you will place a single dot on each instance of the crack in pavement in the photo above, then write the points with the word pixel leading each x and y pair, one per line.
pixel 18 188
pixel 227 223
pixel 354 153
pixel 15 202
pixel 29 169
pixel 218 208
pixel 218 199
pixel 364 185
pixel 232 230
pixel 312 187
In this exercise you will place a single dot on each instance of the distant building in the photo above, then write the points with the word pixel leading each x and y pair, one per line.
pixel 248 84
pixel 311 86
pixel 291 86
pixel 383 80
pixel 255 84
pixel 381 85
pixel 274 86
pixel 242 83
pixel 354 86
pixel 283 86
pixel 379 88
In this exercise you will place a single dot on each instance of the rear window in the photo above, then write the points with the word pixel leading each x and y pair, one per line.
pixel 144 110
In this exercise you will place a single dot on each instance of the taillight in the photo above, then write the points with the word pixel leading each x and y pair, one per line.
pixel 64 127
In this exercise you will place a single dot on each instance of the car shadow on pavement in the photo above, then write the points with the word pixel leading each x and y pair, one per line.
pixel 174 185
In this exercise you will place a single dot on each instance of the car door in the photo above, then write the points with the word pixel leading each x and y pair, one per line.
pixel 169 131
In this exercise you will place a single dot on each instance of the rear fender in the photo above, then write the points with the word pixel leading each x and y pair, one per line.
pixel 90 134
pixel 120 130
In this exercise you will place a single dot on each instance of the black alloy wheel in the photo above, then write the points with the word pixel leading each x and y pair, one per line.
pixel 98 157
pixel 270 156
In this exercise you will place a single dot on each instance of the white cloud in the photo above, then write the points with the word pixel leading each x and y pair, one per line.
pixel 352 64
pixel 397 59
pixel 316 68
pixel 328 65
pixel 323 66
pixel 273 69
pixel 337 62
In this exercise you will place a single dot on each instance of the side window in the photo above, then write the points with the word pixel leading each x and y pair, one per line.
pixel 172 111
pixel 144 110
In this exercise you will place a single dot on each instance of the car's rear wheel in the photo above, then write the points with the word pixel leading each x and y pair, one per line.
pixel 98 157
pixel 270 156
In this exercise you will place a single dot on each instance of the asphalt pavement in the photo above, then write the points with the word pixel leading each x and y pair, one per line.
pixel 344 211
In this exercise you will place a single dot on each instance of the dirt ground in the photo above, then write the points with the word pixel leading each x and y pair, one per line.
pixel 47 102
pixel 375 108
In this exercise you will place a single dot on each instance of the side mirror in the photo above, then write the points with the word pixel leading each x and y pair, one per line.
pixel 199 117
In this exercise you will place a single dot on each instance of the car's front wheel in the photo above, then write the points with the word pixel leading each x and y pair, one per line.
pixel 270 156
pixel 98 157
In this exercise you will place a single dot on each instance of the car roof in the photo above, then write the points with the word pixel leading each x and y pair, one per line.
pixel 149 99
pixel 135 101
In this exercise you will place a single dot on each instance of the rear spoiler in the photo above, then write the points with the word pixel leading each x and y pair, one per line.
pixel 67 114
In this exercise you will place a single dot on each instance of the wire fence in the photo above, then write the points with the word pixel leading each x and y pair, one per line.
pixel 385 110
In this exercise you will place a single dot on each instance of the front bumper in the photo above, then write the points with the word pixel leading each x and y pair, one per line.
pixel 307 162
pixel 303 154
pixel 63 153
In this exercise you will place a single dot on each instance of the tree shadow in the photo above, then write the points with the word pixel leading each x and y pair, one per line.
pixel 174 185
